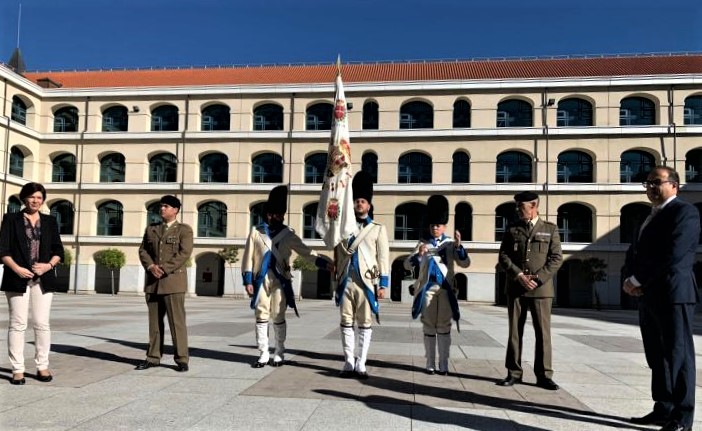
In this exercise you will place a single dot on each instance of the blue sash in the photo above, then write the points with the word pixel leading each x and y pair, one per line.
pixel 435 276
pixel 269 261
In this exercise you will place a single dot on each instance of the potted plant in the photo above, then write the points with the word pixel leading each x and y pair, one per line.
pixel 112 259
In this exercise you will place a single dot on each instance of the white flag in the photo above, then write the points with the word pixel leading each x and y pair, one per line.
pixel 335 217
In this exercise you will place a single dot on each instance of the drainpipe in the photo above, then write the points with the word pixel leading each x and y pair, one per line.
pixel 182 152
pixel 290 131
pixel 78 195
pixel 544 124
pixel 671 123
pixel 6 161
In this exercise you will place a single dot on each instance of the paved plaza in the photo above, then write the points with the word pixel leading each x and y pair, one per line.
pixel 98 339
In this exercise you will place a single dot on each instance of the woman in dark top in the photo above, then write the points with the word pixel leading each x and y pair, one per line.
pixel 30 248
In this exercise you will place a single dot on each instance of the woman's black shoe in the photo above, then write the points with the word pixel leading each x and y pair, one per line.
pixel 19 381
pixel 44 378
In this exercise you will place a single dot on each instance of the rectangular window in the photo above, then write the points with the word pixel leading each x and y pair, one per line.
pixel 207 123
pixel 406 121
pixel 562 118
pixel 503 119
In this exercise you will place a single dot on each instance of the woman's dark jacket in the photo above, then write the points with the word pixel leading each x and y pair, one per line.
pixel 13 243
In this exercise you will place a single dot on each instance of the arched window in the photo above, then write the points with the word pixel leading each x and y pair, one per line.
pixel 16 162
pixel 574 112
pixel 637 111
pixel 369 165
pixel 309 218
pixel 319 117
pixel 461 114
pixel 164 119
pixel 693 166
pixel 63 213
pixel 257 215
pixel 513 167
pixel 13 204
pixel 268 117
pixel 162 168
pixel 635 166
pixel 110 219
pixel 416 115
pixel 464 221
pixel 19 110
pixel 214 168
pixel 153 213
pixel 215 117
pixel 460 168
pixel 505 215
pixel 410 221
pixel 63 169
pixel 630 220
pixel 514 113
pixel 212 220
pixel 574 167
pixel 692 112
pixel 267 168
pixel 414 168
pixel 112 167
pixel 575 223
pixel 370 116
pixel 315 167
pixel 66 119
pixel 115 119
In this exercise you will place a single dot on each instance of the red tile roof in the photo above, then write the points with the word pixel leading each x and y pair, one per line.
pixel 382 72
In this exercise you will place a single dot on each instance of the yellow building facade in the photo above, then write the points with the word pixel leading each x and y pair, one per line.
pixel 580 132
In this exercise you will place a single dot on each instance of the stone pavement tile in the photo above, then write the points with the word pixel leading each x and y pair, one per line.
pixel 76 407
pixel 428 418
pixel 613 391
pixel 260 413
pixel 162 410
pixel 565 421
pixel 371 413
pixel 219 329
pixel 618 409
pixel 32 392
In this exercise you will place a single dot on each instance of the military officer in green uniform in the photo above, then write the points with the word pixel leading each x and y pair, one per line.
pixel 165 249
pixel 530 254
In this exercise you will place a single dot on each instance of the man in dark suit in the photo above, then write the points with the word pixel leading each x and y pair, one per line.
pixel 165 249
pixel 530 254
pixel 659 271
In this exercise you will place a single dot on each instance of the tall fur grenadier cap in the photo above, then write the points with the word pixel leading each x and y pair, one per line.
pixel 437 209
pixel 171 201
pixel 362 186
pixel 277 201
pixel 525 197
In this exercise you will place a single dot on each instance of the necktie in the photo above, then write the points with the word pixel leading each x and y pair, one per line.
pixel 653 213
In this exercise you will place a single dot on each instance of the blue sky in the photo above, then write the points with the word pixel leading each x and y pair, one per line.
pixel 98 34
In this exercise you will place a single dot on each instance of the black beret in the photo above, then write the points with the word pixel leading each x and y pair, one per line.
pixel 171 200
pixel 525 197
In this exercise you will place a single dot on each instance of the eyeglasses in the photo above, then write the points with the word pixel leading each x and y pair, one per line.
pixel 656 183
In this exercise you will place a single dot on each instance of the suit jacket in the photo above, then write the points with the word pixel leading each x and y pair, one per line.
pixel 539 253
pixel 452 259
pixel 170 249
pixel 372 251
pixel 13 243
pixel 662 256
